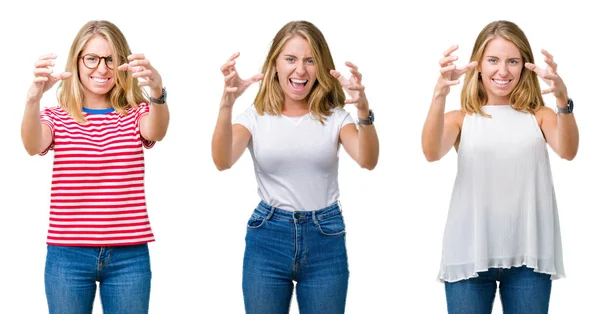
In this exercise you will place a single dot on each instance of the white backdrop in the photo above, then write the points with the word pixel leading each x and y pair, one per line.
pixel 395 215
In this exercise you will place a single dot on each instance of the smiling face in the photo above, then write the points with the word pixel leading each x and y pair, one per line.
pixel 97 82
pixel 501 68
pixel 296 70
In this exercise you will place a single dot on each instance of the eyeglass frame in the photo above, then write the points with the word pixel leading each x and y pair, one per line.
pixel 99 61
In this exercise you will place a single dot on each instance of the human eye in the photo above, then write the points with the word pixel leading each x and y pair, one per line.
pixel 91 58
pixel 310 61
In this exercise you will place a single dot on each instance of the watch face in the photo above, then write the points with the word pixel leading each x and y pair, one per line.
pixel 570 105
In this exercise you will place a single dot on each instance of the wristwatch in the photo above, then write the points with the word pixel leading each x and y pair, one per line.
pixel 368 121
pixel 568 109
pixel 162 99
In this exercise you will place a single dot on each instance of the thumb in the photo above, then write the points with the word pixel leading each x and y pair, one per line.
pixel 257 77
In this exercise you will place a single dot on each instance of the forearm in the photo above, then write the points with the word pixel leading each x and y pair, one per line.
pixel 433 129
pixel 31 128
pixel 222 140
pixel 368 143
pixel 568 136
pixel 158 121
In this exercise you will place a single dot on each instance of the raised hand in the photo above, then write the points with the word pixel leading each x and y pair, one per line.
pixel 140 67
pixel 449 73
pixel 353 86
pixel 44 78
pixel 550 76
pixel 234 85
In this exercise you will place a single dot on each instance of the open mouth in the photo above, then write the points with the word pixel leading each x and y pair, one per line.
pixel 298 84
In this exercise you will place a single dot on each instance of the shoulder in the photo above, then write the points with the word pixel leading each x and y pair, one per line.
pixel 454 117
pixel 140 108
pixel 544 113
pixel 339 113
pixel 55 112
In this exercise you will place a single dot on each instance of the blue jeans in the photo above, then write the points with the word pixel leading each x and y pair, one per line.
pixel 308 247
pixel 522 291
pixel 122 271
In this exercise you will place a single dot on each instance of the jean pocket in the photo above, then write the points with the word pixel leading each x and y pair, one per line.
pixel 256 221
pixel 332 225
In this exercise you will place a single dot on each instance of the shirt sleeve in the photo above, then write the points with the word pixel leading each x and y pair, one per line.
pixel 344 117
pixel 248 119
pixel 142 110
pixel 48 117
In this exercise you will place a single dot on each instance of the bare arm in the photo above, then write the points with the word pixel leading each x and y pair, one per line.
pixel 440 131
pixel 362 144
pixel 560 130
pixel 35 136
pixel 229 141
pixel 153 126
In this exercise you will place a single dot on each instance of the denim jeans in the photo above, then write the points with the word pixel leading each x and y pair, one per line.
pixel 122 271
pixel 522 291
pixel 306 247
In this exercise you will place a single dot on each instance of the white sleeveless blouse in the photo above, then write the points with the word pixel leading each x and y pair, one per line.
pixel 503 209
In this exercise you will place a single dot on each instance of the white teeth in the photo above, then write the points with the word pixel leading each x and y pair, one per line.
pixel 99 80
pixel 298 81
pixel 501 82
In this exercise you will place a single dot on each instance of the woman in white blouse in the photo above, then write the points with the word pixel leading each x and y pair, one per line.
pixel 502 222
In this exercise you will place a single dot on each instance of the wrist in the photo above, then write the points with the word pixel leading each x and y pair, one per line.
pixel 363 113
pixel 158 97
pixel 562 101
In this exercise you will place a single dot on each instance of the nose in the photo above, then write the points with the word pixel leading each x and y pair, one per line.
pixel 503 69
pixel 300 70
pixel 102 67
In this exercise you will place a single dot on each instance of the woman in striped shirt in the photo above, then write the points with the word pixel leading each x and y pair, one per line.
pixel 99 227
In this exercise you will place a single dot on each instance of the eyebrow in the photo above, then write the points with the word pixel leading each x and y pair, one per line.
pixel 288 55
pixel 490 56
pixel 95 54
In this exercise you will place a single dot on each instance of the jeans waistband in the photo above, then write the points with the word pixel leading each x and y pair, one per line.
pixel 301 216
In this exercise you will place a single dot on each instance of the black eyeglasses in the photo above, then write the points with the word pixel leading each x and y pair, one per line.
pixel 92 61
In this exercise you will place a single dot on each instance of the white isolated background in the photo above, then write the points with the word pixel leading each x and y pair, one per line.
pixel 395 215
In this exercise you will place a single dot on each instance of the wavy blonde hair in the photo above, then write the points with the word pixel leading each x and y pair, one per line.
pixel 526 96
pixel 326 93
pixel 126 93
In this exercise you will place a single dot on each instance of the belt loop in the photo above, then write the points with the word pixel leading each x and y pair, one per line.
pixel 270 213
pixel 314 217
pixel 340 205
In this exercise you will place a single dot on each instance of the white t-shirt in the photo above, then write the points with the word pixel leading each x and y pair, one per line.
pixel 295 158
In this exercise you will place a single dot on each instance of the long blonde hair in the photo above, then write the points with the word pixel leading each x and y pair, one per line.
pixel 326 93
pixel 126 93
pixel 526 96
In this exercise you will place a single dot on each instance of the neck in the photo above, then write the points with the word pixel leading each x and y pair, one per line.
pixel 498 101
pixel 294 108
pixel 93 101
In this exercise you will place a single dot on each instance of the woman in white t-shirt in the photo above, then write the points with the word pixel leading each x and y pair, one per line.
pixel 503 221
pixel 293 132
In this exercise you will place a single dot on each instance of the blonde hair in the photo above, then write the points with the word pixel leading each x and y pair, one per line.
pixel 326 93
pixel 126 93
pixel 526 96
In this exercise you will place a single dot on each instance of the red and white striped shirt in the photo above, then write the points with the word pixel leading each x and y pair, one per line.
pixel 97 196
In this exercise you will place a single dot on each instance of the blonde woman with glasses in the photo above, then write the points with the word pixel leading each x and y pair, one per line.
pixel 99 227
